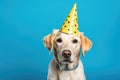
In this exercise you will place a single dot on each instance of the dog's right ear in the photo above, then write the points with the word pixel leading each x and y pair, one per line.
pixel 48 40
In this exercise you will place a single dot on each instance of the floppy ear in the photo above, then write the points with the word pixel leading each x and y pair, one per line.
pixel 86 44
pixel 48 40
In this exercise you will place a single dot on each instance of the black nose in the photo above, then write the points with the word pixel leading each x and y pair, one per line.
pixel 66 53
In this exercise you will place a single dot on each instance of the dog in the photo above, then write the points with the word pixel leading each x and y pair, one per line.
pixel 66 64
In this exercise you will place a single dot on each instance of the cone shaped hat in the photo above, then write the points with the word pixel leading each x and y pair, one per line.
pixel 70 25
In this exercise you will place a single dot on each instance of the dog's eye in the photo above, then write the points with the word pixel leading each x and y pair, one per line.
pixel 75 41
pixel 59 40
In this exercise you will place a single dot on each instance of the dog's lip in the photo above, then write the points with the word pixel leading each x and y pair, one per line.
pixel 67 61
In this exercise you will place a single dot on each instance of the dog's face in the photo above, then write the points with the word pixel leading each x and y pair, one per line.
pixel 67 47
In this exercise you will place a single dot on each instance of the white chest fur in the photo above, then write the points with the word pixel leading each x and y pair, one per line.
pixel 77 74
pixel 55 74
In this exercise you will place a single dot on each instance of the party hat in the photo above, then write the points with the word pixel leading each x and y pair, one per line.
pixel 70 25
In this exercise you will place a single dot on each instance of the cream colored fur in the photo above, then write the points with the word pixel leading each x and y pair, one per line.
pixel 50 41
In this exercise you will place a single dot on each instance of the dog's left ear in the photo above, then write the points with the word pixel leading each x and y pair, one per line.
pixel 86 44
pixel 48 40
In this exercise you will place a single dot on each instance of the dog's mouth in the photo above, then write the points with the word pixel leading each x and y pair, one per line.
pixel 66 60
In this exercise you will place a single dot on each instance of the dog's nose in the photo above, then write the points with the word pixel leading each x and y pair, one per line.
pixel 66 53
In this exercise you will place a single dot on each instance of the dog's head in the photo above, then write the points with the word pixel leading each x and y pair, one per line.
pixel 67 47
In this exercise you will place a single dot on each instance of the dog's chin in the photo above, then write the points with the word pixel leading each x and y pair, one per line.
pixel 66 61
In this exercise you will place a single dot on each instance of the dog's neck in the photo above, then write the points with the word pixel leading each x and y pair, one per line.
pixel 66 67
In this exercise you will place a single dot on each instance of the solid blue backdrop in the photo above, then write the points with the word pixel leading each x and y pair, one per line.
pixel 24 23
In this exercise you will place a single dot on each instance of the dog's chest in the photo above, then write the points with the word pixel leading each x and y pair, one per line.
pixel 68 75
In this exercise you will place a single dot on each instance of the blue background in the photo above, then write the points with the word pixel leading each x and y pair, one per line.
pixel 24 23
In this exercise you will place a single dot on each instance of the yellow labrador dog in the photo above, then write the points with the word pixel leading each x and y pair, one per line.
pixel 66 64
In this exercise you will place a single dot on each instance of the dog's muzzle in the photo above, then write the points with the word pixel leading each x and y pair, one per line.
pixel 66 56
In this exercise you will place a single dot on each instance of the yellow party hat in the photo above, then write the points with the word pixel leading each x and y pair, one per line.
pixel 70 25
